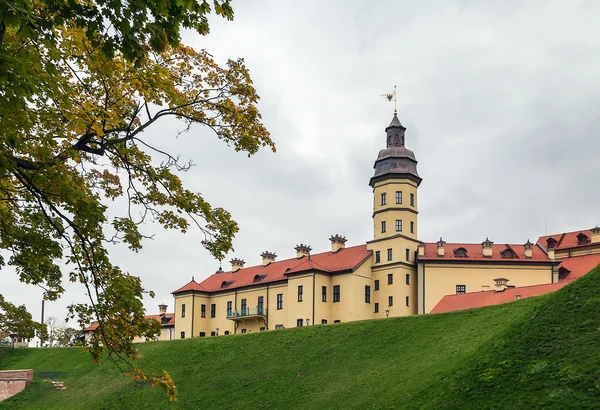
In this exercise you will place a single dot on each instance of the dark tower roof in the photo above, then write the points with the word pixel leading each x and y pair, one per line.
pixel 395 161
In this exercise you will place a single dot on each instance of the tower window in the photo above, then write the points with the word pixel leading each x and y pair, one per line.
pixel 383 198
pixel 408 278
pixel 390 301
pixel 412 199
pixel 398 225
pixel 390 278
pixel 398 197
pixel 183 311
pixel 376 284
pixel 383 226
pixel 377 256
pixel 412 227
pixel 408 255
pixel 389 254
pixel 407 301
pixel 336 293
pixel 460 289
pixel 367 294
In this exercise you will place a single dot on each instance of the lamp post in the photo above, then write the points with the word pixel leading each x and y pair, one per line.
pixel 387 313
pixel 217 332
pixel 307 322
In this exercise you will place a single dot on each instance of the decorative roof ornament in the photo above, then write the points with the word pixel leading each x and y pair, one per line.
pixel 389 98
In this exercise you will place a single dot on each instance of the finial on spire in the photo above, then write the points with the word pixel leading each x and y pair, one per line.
pixel 391 97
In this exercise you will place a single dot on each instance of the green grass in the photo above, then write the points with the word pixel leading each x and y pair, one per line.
pixel 541 352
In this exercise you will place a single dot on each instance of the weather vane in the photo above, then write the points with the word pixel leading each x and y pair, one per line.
pixel 391 97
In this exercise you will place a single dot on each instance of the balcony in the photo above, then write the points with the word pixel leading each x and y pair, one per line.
pixel 247 313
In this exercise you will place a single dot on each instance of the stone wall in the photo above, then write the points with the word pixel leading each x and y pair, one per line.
pixel 14 381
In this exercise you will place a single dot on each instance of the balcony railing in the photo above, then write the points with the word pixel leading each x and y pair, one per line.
pixel 258 311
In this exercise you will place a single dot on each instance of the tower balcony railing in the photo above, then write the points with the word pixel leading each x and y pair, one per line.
pixel 247 312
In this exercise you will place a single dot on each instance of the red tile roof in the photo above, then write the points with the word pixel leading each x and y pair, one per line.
pixel 344 259
pixel 565 240
pixel 170 322
pixel 475 252
pixel 578 267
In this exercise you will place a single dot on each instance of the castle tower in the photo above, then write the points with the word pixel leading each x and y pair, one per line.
pixel 395 209
pixel 395 185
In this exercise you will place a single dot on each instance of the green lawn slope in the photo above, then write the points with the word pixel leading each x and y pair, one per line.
pixel 541 352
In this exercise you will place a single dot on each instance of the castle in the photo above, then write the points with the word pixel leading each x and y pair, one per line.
pixel 393 274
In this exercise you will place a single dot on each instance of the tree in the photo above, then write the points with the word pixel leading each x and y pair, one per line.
pixel 80 84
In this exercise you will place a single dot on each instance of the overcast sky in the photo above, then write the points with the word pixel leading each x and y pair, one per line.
pixel 500 100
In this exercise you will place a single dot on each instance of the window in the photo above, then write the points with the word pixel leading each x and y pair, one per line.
pixel 299 322
pixel 279 301
pixel 412 227
pixel 408 278
pixel 376 307
pixel 213 310
pixel 508 253
pixel 278 326
pixel 383 227
pixel 244 309
pixel 183 335
pixel 383 198
pixel 183 310
pixel 367 294
pixel 390 278
pixel 582 239
pixel 412 199
pixel 226 332
pixel 398 197
pixel 390 301
pixel 243 330
pixel 377 256
pixel 460 289
pixel 202 310
pixel 260 305
pixel 336 293
pixel 377 284
pixel 336 321
pixel 229 308
pixel 323 321
pixel 212 333
pixel 407 300
pixel 398 225
pixel 324 293
pixel 262 329
pixel 408 255
pixel 300 293
pixel 202 334
pixel 460 253
pixel 389 254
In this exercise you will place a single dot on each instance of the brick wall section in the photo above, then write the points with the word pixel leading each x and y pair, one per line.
pixel 14 381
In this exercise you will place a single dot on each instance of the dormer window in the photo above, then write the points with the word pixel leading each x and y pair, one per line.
pixel 508 253
pixel 226 283
pixel 165 319
pixel 460 253
pixel 258 278
pixel 582 239
pixel 563 272
pixel 550 242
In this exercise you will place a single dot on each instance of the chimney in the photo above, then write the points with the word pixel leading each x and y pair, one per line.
pixel 162 309
pixel 302 250
pixel 337 242
pixel 440 247
pixel 501 284
pixel 595 235
pixel 528 249
pixel 236 264
pixel 551 253
pixel 421 249
pixel 268 257
pixel 486 247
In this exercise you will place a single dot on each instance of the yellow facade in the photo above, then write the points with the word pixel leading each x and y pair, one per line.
pixel 395 280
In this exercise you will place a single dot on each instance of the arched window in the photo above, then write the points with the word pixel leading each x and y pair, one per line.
pixel 460 253
pixel 226 283
pixel 582 239
pixel 258 278
pixel 402 140
pixel 227 332
pixel 550 242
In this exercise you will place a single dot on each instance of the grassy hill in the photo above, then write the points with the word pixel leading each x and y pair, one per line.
pixel 541 352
